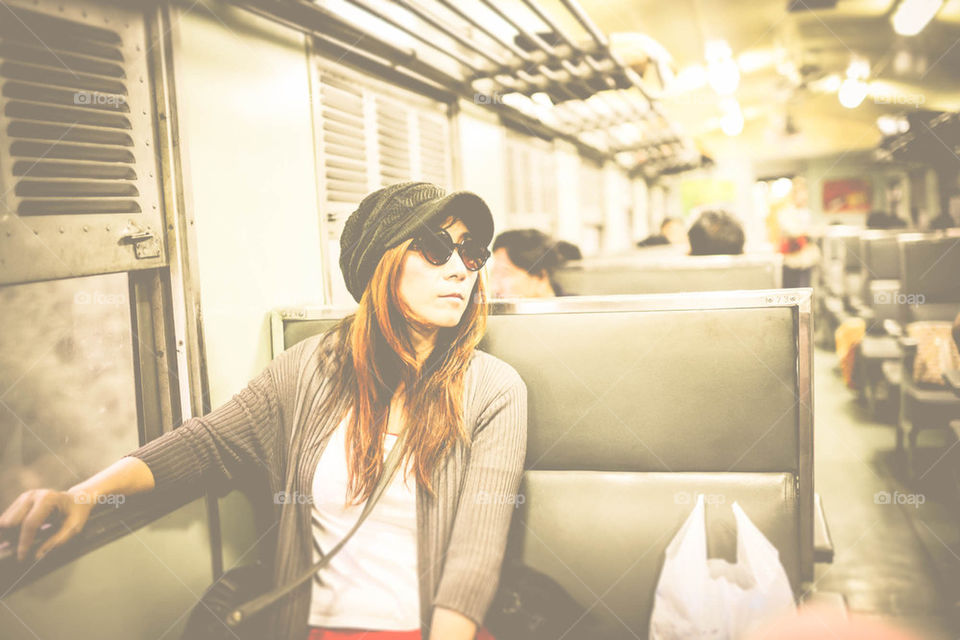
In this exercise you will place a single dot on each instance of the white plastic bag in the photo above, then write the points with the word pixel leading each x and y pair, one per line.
pixel 701 598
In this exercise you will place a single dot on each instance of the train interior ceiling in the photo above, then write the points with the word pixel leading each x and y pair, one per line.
pixel 175 177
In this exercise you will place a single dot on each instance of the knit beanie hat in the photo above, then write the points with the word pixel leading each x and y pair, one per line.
pixel 389 216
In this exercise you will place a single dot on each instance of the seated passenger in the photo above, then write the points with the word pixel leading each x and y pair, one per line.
pixel 884 220
pixel 943 221
pixel 716 233
pixel 671 232
pixel 410 256
pixel 524 261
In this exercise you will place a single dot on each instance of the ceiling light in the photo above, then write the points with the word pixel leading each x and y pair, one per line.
pixel 781 188
pixel 723 74
pixel 731 122
pixel 852 92
pixel 911 16
pixel 858 69
pixel 542 99
pixel 887 125
pixel 892 125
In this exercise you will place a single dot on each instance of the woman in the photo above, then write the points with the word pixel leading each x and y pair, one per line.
pixel 404 362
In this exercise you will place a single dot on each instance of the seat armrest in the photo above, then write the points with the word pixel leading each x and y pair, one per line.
pixel 908 345
pixel 908 352
pixel 822 541
pixel 952 380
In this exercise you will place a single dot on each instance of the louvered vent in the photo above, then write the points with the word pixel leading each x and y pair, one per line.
pixel 374 134
pixel 67 117
pixel 393 141
pixel 591 193
pixel 434 148
pixel 344 144
pixel 531 178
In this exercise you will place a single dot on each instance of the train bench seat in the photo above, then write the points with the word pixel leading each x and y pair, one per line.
pixel 645 274
pixel 636 405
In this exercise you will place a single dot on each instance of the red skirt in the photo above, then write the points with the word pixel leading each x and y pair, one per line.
pixel 320 633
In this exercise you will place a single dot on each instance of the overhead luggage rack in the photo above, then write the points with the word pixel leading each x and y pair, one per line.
pixel 552 72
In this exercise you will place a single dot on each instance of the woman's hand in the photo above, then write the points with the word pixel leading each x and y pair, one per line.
pixel 32 508
pixel 451 625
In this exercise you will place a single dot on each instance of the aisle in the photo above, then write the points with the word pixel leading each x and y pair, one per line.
pixel 892 552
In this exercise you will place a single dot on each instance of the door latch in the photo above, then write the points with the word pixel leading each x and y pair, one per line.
pixel 145 244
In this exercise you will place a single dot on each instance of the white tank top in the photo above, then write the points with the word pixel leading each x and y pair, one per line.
pixel 372 581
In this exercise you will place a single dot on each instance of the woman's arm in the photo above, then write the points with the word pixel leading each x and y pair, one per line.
pixel 217 447
pixel 487 503
pixel 31 509
pixel 451 625
pixel 239 435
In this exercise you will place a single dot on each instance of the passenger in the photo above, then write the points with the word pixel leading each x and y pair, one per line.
pixel 942 221
pixel 800 254
pixel 884 220
pixel 397 369
pixel 671 232
pixel 716 233
pixel 524 261
pixel 568 250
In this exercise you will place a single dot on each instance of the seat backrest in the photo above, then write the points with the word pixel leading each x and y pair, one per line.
pixel 836 258
pixel 930 275
pixel 880 254
pixel 637 404
pixel 880 271
pixel 670 274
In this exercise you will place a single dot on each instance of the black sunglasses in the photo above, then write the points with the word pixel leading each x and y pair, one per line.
pixel 436 247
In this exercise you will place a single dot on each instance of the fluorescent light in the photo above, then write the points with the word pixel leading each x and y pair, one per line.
pixel 858 69
pixel 912 16
pixel 781 188
pixel 731 122
pixel 723 74
pixel 852 92
pixel 887 125
pixel 542 99
pixel 892 125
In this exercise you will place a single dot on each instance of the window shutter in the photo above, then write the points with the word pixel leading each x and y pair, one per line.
pixel 591 193
pixel 393 141
pixel 77 164
pixel 434 147
pixel 343 145
pixel 531 183
pixel 374 134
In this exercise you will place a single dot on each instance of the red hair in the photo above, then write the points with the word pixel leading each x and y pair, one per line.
pixel 377 357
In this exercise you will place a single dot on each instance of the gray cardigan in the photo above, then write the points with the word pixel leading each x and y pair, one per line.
pixel 274 425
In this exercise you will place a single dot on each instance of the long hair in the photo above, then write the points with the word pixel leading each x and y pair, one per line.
pixel 376 357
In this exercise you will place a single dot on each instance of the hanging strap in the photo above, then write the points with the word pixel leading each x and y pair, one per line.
pixel 242 613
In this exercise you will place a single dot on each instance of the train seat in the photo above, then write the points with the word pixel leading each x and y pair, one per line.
pixel 931 291
pixel 664 397
pixel 640 274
